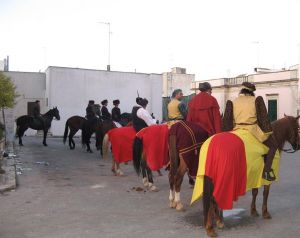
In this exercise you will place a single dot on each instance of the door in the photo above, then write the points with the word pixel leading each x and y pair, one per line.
pixel 272 109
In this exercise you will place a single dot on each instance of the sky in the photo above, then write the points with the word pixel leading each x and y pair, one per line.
pixel 210 38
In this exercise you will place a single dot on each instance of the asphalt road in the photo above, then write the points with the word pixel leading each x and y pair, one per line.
pixel 69 194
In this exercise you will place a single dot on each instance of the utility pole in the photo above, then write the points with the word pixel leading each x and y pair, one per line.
pixel 109 32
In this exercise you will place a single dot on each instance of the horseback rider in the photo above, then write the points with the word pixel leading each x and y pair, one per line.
pixel 90 110
pixel 250 113
pixel 37 113
pixel 141 118
pixel 176 108
pixel 104 111
pixel 116 112
pixel 204 110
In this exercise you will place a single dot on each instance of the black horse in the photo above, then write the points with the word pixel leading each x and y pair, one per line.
pixel 100 128
pixel 74 123
pixel 25 122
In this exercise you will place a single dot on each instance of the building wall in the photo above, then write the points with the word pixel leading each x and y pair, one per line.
pixel 30 87
pixel 70 89
pixel 281 85
pixel 177 79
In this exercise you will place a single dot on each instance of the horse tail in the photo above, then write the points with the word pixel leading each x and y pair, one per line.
pixel 137 154
pixel 66 131
pixel 105 145
pixel 174 161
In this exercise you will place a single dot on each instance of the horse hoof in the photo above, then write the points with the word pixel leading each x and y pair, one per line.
pixel 254 213
pixel 45 144
pixel 173 204
pixel 179 207
pixel 220 225
pixel 145 182
pixel 119 173
pixel 267 215
pixel 211 233
pixel 153 188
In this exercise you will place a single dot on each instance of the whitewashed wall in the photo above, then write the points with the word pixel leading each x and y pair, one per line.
pixel 70 89
pixel 30 86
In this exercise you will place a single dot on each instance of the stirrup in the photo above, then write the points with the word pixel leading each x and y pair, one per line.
pixel 269 175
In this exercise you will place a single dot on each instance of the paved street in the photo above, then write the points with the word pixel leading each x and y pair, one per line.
pixel 69 194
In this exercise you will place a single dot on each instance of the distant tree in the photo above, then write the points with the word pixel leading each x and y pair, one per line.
pixel 8 94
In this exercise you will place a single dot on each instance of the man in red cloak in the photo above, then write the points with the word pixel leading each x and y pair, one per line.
pixel 204 110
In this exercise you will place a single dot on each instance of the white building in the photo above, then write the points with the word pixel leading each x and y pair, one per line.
pixel 279 88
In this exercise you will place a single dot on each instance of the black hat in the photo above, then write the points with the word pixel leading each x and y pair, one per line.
pixel 116 102
pixel 143 102
pixel 203 87
pixel 91 101
pixel 249 86
pixel 104 102
pixel 138 99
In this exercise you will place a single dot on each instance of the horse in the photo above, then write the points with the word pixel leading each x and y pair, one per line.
pixel 74 123
pixel 284 130
pixel 100 129
pixel 185 140
pixel 25 122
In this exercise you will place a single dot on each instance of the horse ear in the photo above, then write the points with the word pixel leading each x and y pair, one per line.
pixel 297 117
pixel 285 115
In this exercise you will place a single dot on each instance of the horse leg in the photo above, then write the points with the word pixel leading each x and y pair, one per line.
pixel 151 186
pixel 171 196
pixel 266 214
pixel 20 133
pixel 208 209
pixel 178 181
pixel 88 148
pixel 71 141
pixel 118 170
pixel 218 215
pixel 144 173
pixel 254 212
pixel 45 135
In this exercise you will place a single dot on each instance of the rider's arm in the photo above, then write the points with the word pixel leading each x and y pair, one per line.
pixel 145 115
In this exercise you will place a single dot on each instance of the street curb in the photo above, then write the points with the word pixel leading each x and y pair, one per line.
pixel 8 180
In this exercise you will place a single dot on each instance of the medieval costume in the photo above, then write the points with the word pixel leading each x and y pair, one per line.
pixel 250 113
pixel 116 112
pixel 104 111
pixel 176 109
pixel 204 110
pixel 141 118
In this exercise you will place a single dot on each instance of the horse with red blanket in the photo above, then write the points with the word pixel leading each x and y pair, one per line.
pixel 231 163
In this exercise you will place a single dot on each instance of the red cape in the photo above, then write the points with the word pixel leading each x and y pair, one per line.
pixel 227 168
pixel 155 145
pixel 121 140
pixel 204 111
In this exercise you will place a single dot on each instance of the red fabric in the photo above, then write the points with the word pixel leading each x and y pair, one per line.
pixel 204 110
pixel 155 145
pixel 187 145
pixel 226 166
pixel 121 140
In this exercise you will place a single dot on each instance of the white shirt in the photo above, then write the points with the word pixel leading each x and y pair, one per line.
pixel 145 116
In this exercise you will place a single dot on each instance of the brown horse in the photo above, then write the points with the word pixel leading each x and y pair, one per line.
pixel 75 124
pixel 185 140
pixel 284 130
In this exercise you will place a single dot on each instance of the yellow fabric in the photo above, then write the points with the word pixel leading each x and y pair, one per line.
pixel 242 116
pixel 255 163
pixel 173 110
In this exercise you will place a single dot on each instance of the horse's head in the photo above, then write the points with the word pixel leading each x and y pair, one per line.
pixel 293 131
pixel 55 113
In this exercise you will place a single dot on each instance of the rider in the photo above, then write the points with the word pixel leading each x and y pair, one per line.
pixel 37 112
pixel 250 113
pixel 176 109
pixel 104 111
pixel 204 110
pixel 116 112
pixel 141 118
